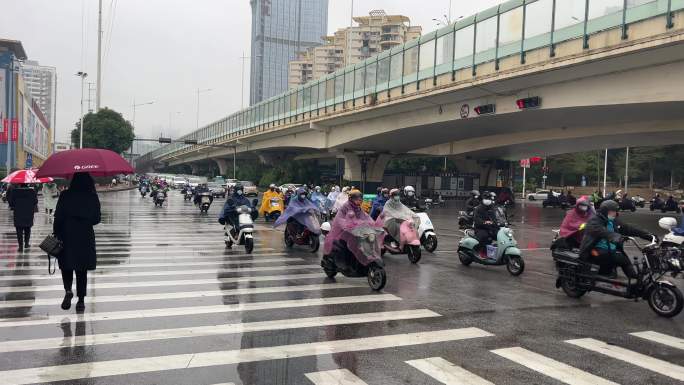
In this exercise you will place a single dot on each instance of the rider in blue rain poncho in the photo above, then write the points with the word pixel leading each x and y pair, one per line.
pixel 229 212
pixel 301 212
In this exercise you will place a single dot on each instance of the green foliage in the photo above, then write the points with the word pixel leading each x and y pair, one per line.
pixel 105 129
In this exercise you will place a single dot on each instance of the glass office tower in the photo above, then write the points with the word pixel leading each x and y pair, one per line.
pixel 281 29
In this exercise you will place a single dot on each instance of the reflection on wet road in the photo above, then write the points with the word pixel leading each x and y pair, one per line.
pixel 169 304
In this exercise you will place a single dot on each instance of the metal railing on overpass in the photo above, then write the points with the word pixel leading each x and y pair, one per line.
pixel 510 29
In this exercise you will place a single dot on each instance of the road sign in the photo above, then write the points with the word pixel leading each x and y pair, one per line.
pixel 29 160
pixel 525 163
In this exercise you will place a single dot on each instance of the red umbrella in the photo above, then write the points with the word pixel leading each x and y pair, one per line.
pixel 95 161
pixel 25 176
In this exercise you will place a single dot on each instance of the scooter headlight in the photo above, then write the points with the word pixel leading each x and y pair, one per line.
pixel 509 233
pixel 371 237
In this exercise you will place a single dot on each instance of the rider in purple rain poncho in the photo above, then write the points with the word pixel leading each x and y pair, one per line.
pixel 350 217
pixel 301 212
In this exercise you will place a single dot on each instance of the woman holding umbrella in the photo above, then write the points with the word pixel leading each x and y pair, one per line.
pixel 78 210
pixel 24 201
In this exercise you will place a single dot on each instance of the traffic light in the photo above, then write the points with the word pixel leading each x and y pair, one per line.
pixel 526 103
pixel 485 109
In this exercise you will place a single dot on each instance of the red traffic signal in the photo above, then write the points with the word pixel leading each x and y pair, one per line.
pixel 485 109
pixel 526 103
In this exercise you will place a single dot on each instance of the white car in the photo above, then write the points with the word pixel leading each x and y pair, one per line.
pixel 194 182
pixel 541 195
pixel 179 182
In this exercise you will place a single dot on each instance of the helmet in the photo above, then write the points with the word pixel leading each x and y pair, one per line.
pixel 385 190
pixel 667 223
pixel 409 191
pixel 317 188
pixel 395 191
pixel 475 194
pixel 325 228
pixel 272 186
pixel 609 205
pixel 355 194
pixel 238 187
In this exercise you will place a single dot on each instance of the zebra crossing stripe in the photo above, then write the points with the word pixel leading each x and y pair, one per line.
pixel 550 367
pixel 106 267
pixel 660 338
pixel 446 372
pixel 105 274
pixel 641 360
pixel 201 331
pixel 334 377
pixel 184 282
pixel 132 258
pixel 207 359
pixel 193 310
pixel 182 295
pixel 159 250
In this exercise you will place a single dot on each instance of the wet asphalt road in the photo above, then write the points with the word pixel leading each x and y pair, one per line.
pixel 170 305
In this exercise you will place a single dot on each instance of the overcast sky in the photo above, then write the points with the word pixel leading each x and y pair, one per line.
pixel 164 50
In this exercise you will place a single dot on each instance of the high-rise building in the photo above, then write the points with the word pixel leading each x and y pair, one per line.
pixel 281 29
pixel 41 84
pixel 373 34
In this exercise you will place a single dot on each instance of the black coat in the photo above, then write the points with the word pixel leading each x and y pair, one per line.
pixel 23 201
pixel 482 214
pixel 597 229
pixel 76 214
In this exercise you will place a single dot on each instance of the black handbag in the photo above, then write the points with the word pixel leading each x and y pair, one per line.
pixel 53 247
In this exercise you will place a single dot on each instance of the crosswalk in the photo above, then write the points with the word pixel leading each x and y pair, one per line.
pixel 156 314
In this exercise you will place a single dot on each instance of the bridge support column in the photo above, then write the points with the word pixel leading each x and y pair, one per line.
pixel 223 166
pixel 365 171
pixel 195 168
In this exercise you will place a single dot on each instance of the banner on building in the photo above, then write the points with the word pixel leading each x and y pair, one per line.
pixel 34 133
pixel 15 130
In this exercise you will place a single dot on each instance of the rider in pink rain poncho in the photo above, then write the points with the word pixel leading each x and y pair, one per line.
pixel 393 214
pixel 349 224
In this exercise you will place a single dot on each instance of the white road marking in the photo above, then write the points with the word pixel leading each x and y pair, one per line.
pixel 550 367
pixel 181 295
pixel 446 372
pixel 660 338
pixel 229 357
pixel 104 274
pixel 221 329
pixel 106 267
pixel 159 250
pixel 334 377
pixel 641 360
pixel 193 310
pixel 182 282
pixel 102 260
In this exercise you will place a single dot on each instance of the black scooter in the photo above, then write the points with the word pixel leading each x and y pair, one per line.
pixel 627 204
pixel 577 277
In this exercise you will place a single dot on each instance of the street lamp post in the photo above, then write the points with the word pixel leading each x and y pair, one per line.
pixel 135 106
pixel 82 75
pixel 199 91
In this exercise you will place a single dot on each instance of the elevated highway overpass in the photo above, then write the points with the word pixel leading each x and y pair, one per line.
pixel 612 77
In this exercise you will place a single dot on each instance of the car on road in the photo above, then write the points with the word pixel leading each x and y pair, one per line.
pixel 230 183
pixel 216 189
pixel 195 181
pixel 290 186
pixel 178 182
pixel 249 188
pixel 540 195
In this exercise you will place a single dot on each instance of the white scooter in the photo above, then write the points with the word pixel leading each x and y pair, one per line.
pixel 246 230
pixel 426 232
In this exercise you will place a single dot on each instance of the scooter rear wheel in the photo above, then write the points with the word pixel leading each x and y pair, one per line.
pixel 330 273
pixel 464 257
pixel 414 253
pixel 314 242
pixel 377 277
pixel 430 243
pixel 665 300
pixel 515 265
pixel 570 289
pixel 289 242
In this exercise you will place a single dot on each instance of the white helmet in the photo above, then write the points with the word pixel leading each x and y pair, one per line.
pixel 317 188
pixel 667 223
pixel 325 228
pixel 409 191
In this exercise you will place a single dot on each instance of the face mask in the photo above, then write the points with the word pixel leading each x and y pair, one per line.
pixel 302 197
pixel 410 193
pixel 612 217
pixel 583 208
pixel 385 196
pixel 239 192
pixel 487 202
pixel 396 198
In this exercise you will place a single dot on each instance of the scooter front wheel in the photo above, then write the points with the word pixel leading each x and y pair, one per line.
pixel 315 243
pixel 430 243
pixel 377 277
pixel 665 300
pixel 289 242
pixel 515 265
pixel 249 245
pixel 414 253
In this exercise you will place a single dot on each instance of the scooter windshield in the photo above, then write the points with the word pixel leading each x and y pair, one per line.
pixel 353 226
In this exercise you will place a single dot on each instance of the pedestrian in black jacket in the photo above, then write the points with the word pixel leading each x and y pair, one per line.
pixel 24 201
pixel 78 210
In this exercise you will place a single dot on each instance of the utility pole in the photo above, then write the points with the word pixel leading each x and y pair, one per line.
pixel 198 103
pixel 605 172
pixel 90 96
pixel 626 170
pixel 99 58
pixel 82 75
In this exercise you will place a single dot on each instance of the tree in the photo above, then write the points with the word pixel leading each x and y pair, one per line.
pixel 105 129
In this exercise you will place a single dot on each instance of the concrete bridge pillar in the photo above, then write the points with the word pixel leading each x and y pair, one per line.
pixel 365 171
pixel 195 168
pixel 223 166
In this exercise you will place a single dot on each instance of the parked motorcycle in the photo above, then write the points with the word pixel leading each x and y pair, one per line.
pixel 244 234
pixel 503 251
pixel 205 202
pixel 577 277
pixel 408 242
pixel 344 260
pixel 274 209
pixel 302 235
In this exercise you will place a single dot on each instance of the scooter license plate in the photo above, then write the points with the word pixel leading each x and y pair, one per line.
pixel 275 205
pixel 205 200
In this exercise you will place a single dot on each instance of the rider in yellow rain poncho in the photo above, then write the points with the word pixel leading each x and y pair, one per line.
pixel 271 193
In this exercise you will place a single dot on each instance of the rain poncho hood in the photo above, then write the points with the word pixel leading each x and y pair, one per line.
pixel 319 199
pixel 303 211
pixel 342 198
pixel 350 223
pixel 576 218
